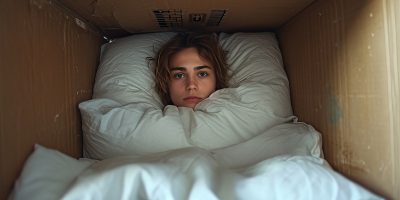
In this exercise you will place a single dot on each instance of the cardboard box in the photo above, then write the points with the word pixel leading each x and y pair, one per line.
pixel 342 59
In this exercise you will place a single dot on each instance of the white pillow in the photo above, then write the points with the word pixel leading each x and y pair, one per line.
pixel 47 174
pixel 126 116
pixel 124 74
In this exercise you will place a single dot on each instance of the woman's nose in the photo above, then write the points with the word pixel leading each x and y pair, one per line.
pixel 191 83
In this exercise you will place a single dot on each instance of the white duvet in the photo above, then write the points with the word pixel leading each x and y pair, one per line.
pixel 189 173
pixel 194 174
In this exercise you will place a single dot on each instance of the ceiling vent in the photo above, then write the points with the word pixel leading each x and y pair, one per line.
pixel 168 18
pixel 173 18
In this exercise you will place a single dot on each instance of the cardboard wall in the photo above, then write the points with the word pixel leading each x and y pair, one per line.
pixel 341 57
pixel 47 65
pixel 342 61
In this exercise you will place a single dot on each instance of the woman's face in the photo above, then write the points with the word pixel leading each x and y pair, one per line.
pixel 192 78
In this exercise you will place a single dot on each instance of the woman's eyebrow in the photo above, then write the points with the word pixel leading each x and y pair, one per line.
pixel 195 68
pixel 201 67
pixel 178 68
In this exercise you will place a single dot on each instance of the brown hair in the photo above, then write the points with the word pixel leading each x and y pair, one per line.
pixel 208 48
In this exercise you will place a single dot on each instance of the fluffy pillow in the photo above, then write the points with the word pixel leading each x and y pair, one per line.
pixel 126 116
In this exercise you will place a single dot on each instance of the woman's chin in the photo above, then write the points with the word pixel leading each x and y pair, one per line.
pixel 192 105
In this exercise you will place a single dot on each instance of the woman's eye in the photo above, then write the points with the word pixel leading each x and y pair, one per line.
pixel 203 74
pixel 179 75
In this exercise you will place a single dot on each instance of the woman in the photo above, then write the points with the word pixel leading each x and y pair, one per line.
pixel 189 68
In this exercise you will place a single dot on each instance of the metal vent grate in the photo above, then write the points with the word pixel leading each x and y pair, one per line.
pixel 216 17
pixel 168 18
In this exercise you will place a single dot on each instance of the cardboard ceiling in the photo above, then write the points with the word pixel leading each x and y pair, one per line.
pixel 135 16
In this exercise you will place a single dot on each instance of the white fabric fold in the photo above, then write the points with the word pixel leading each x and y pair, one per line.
pixel 185 174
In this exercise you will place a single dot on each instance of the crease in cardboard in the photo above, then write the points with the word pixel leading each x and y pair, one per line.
pixel 78 19
pixel 103 10
pixel 80 23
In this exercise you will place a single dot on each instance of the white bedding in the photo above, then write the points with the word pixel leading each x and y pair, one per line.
pixel 190 173
pixel 125 116
pixel 242 142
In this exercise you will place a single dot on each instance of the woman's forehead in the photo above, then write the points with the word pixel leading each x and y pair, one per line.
pixel 189 57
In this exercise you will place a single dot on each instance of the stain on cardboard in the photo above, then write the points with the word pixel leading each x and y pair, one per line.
pixel 335 110
pixel 39 3
pixel 351 163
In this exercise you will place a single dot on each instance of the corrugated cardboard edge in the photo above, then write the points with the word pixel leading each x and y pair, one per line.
pixel 392 27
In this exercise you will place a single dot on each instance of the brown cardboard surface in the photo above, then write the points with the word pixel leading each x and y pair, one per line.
pixel 48 65
pixel 336 54
pixel 137 16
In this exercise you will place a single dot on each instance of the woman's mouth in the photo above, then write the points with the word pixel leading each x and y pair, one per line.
pixel 192 99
